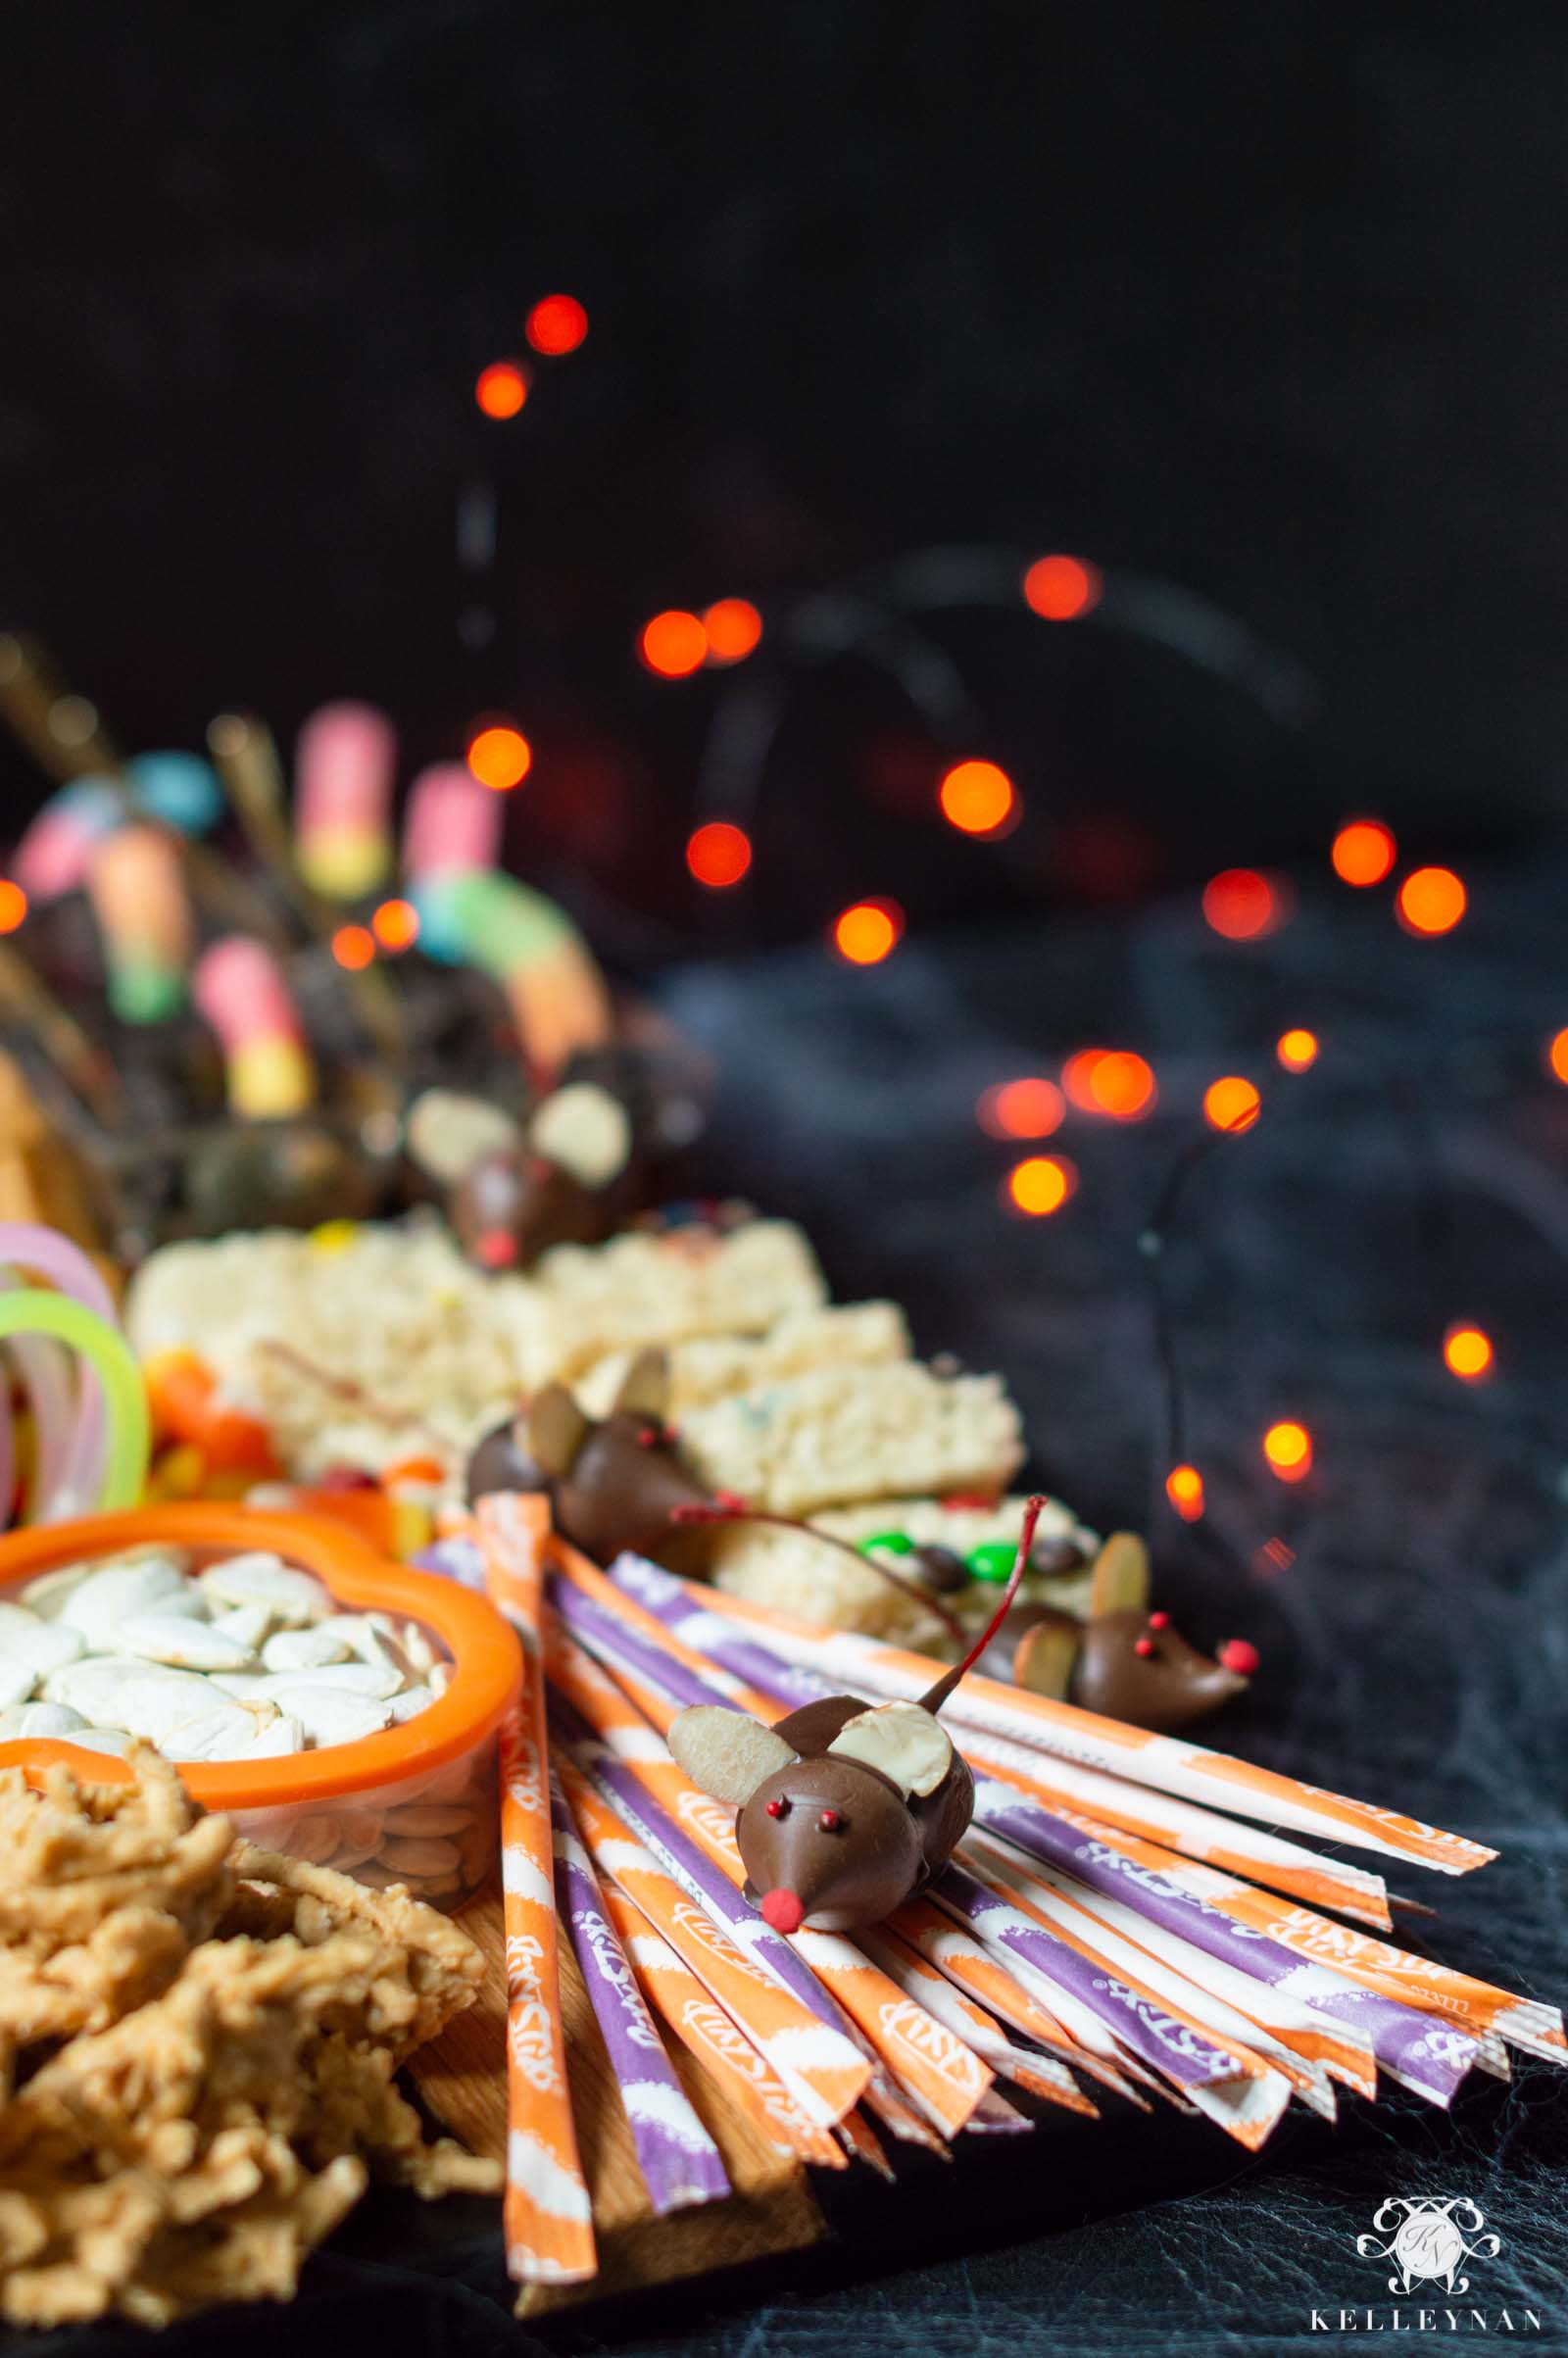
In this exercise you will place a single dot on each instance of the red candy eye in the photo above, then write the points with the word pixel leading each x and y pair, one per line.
pixel 670 1437
pixel 1145 1646
pixel 1159 1621
pixel 830 1821
pixel 647 1437
pixel 777 1809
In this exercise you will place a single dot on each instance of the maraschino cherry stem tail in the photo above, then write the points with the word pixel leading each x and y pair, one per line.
pixel 736 1511
pixel 935 1696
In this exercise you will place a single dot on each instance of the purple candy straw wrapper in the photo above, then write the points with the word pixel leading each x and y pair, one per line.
pixel 678 2159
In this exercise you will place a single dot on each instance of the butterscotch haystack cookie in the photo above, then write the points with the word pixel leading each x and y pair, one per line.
pixel 200 2040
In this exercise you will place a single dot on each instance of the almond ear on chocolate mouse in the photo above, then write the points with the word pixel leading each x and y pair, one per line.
pixel 727 1754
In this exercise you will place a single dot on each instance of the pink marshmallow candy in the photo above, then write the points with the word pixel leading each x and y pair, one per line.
pixel 239 988
pixel 344 765
pixel 452 822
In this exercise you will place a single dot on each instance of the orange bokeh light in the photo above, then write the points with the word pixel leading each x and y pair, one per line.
pixel 1362 852
pixel 673 644
pixel 1297 1049
pixel 1240 904
pixel 557 323
pixel 13 904
pixel 867 930
pixel 353 947
pixel 1557 1056
pixel 1430 901
pixel 733 627
pixel 396 925
pixel 1232 1103
pixel 1040 1184
pixel 977 798
pixel 718 854
pixel 501 389
pixel 1289 1449
pixel 500 758
pixel 1183 1488
pixel 1027 1108
pixel 1467 1353
pixel 1078 1078
pixel 1061 588
pixel 1122 1085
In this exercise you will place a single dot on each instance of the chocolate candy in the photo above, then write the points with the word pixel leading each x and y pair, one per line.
pixel 845 1809
pixel 1126 1662
pixel 614 1485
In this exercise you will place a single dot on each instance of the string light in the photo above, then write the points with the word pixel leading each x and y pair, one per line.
pixel 500 758
pixel 1557 1056
pixel 977 798
pixel 1430 901
pixel 1025 1108
pixel 1059 589
pixel 673 644
pixel 1288 1447
pixel 396 925
pixel 1122 1085
pixel 1078 1078
pixel 734 627
pixel 1363 852
pixel 13 904
pixel 353 947
pixel 1183 1488
pixel 556 324
pixel 1297 1049
pixel 718 853
pixel 868 931
pixel 1232 1103
pixel 1241 905
pixel 1040 1185
pixel 1467 1353
pixel 501 389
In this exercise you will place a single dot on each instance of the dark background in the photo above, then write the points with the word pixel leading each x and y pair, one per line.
pixel 1269 303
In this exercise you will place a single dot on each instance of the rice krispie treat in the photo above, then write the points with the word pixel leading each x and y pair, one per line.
pixel 363 1344
pixel 713 1367
pixel 664 1287
pixel 791 1571
pixel 838 1435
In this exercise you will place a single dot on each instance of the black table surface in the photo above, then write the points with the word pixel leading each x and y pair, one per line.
pixel 1414 1644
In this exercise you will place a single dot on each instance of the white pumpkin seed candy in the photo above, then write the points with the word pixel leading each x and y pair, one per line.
pixel 246 1659
pixel 38 1719
pixel 306 1648
pixel 330 1715
pixel 248 1623
pixel 261 1578
pixel 184 1644
pixel 39 1645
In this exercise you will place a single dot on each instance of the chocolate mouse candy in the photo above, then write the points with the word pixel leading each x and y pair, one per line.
pixel 614 1483
pixel 846 1809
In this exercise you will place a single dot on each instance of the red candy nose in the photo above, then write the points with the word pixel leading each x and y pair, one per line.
pixel 497 1250
pixel 1240 1655
pixel 782 1910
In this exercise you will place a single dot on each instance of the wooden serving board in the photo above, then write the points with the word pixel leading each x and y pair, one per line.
pixel 462 2077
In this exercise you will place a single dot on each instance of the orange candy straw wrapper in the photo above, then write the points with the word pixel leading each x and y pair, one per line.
pixel 945 2079
pixel 701 2023
pixel 709 1827
pixel 823 2073
pixel 1168 1763
pixel 547 2215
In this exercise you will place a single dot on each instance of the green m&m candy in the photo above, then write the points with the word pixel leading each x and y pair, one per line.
pixel 887 1543
pixel 992 1560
